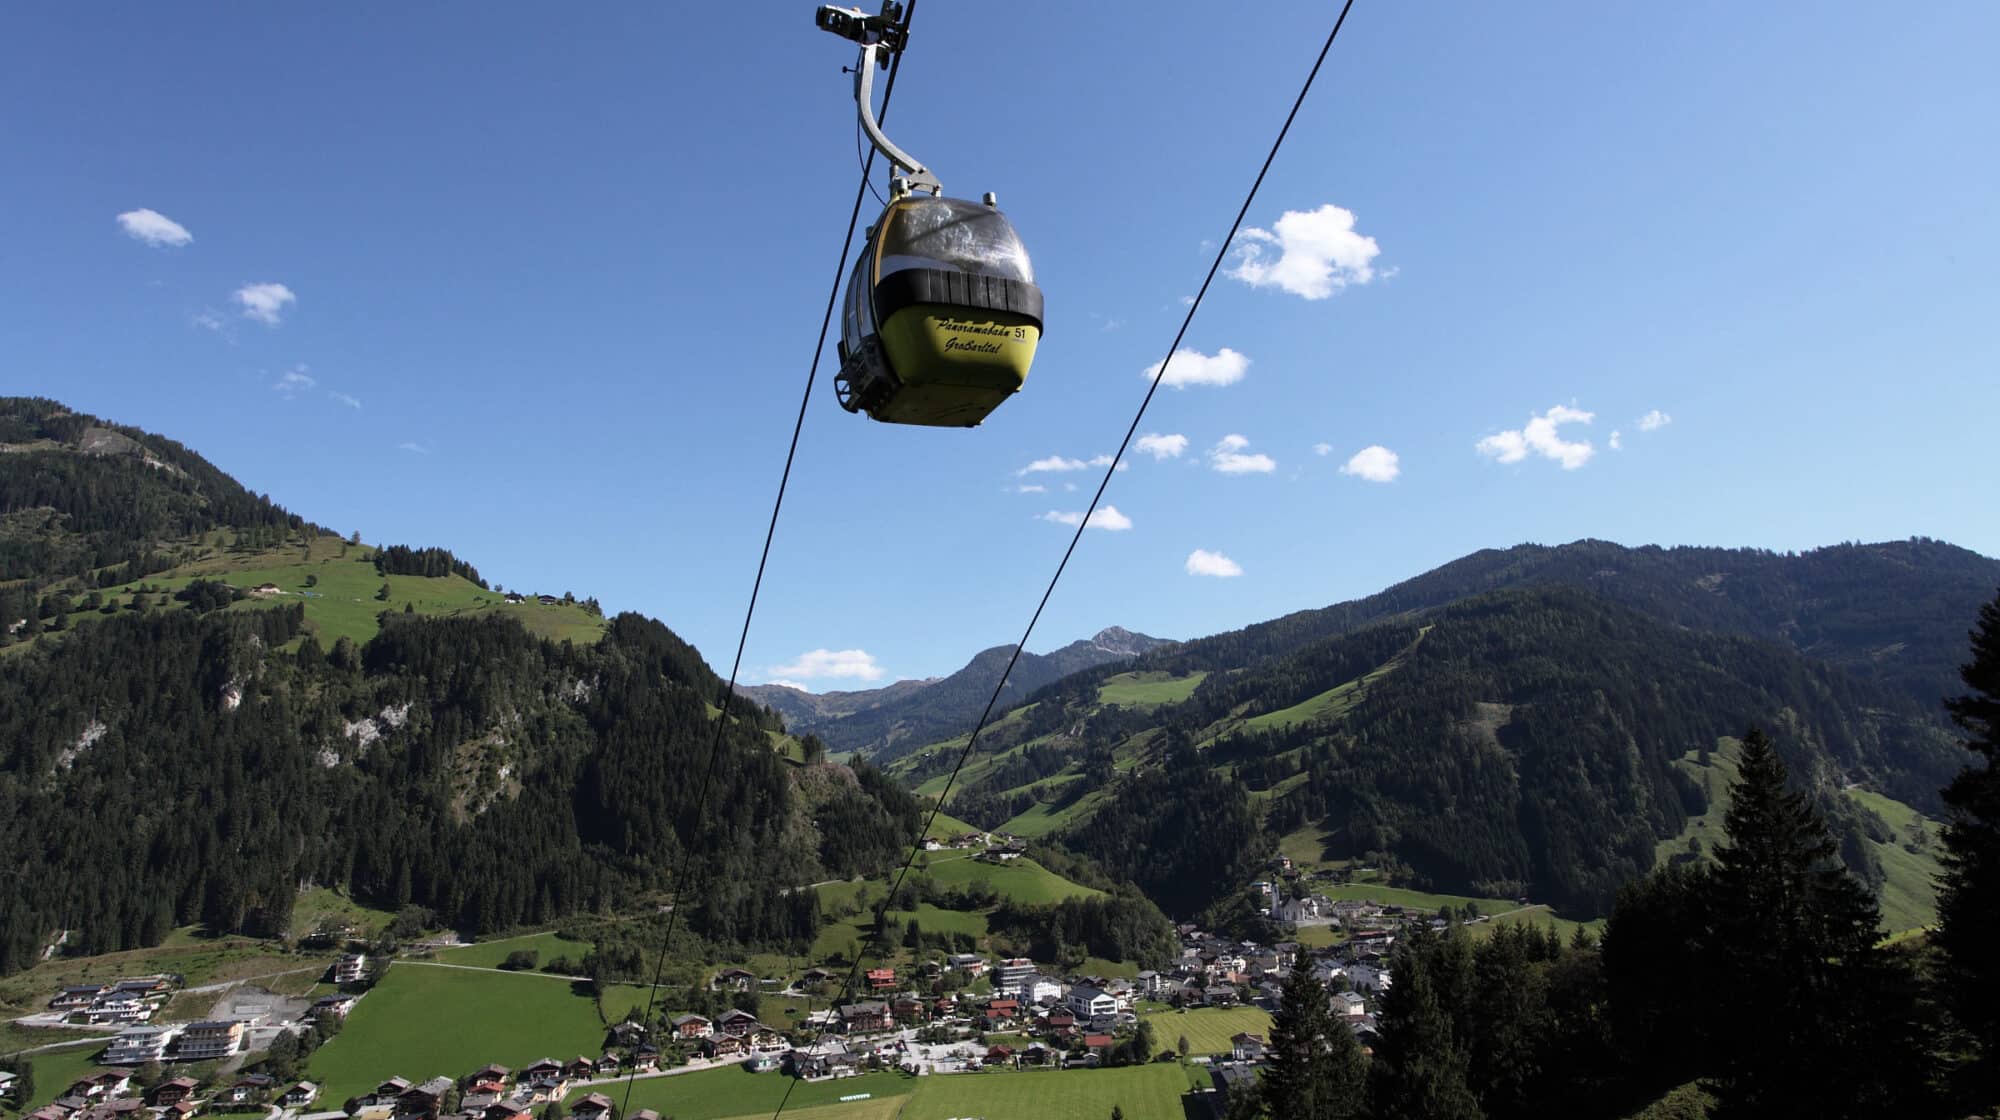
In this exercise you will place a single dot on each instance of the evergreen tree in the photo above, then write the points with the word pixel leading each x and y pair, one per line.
pixel 1806 1018
pixel 1509 1019
pixel 1969 891
pixel 1420 1067
pixel 1317 1071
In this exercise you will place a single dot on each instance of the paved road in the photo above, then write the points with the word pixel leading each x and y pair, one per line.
pixel 696 1066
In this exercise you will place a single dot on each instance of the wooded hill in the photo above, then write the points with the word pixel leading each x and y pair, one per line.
pixel 175 749
pixel 1506 725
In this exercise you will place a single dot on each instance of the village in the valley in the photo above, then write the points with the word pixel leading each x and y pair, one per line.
pixel 952 1013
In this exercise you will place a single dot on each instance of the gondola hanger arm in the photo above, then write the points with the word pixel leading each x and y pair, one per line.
pixel 880 36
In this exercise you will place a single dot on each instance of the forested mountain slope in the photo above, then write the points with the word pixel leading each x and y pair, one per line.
pixel 1509 742
pixel 1893 611
pixel 198 718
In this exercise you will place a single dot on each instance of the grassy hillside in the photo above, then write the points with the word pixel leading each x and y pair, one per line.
pixel 1908 855
pixel 1148 689
pixel 1021 880
pixel 338 584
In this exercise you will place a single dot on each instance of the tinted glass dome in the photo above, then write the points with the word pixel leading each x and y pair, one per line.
pixel 952 234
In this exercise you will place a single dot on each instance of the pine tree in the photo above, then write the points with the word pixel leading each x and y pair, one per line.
pixel 1420 1067
pixel 1807 1017
pixel 1969 891
pixel 1317 1071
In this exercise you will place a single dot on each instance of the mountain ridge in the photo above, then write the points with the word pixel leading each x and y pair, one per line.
pixel 877 722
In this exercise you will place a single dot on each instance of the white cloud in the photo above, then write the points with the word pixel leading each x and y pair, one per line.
pixel 1202 562
pixel 414 447
pixel 818 664
pixel 1318 253
pixel 344 398
pixel 1031 489
pixel 1192 367
pixel 1228 457
pixel 1106 517
pixel 1541 437
pixel 293 382
pixel 154 228
pixel 1162 447
pixel 208 320
pixel 264 302
pixel 1373 464
pixel 1617 440
pixel 1058 463
pixel 1322 449
pixel 1653 421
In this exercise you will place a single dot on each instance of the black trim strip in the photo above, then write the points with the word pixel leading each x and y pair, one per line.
pixel 909 286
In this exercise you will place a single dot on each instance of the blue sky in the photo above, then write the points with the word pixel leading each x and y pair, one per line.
pixel 540 285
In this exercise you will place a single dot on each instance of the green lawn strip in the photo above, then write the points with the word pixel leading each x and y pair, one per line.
pixel 423 1022
pixel 1306 846
pixel 1022 880
pixel 1148 689
pixel 1208 1029
pixel 1409 899
pixel 322 902
pixel 1043 819
pixel 932 919
pixel 56 1070
pixel 875 1108
pixel 490 954
pixel 734 1091
pixel 948 827
pixel 1149 1092
pixel 1327 705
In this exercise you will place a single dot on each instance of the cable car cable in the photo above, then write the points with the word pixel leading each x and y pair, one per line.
pixel 1221 254
pixel 770 532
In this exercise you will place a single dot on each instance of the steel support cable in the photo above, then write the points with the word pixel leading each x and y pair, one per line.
pixel 770 532
pixel 1221 254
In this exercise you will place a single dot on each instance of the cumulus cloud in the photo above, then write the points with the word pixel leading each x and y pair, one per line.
pixel 1374 463
pixel 1542 437
pixel 1192 367
pixel 1653 421
pixel 1031 488
pixel 1228 457
pixel 1617 440
pixel 264 302
pixel 344 398
pixel 1162 447
pixel 209 321
pixel 1318 253
pixel 1202 562
pixel 154 228
pixel 1322 449
pixel 840 664
pixel 1106 517
pixel 293 382
pixel 413 447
